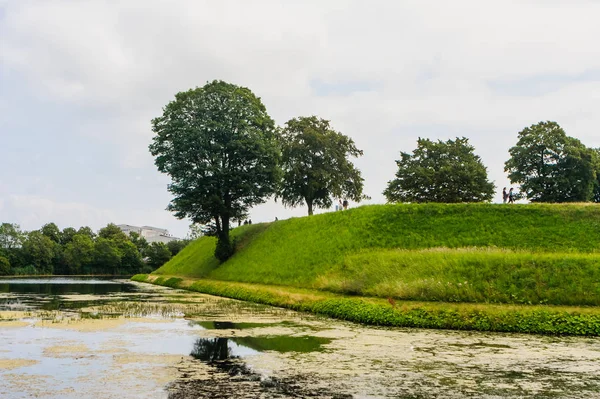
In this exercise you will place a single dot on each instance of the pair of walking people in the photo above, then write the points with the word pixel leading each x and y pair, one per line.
pixel 508 197
pixel 341 205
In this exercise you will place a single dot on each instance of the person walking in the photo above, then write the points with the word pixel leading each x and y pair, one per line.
pixel 511 196
pixel 504 195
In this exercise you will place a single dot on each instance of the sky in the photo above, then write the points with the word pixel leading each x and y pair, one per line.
pixel 80 82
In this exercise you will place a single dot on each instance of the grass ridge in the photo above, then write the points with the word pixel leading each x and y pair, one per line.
pixel 491 253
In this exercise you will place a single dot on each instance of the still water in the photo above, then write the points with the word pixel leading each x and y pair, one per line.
pixel 102 338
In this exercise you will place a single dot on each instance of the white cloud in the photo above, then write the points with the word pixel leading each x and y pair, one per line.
pixel 435 69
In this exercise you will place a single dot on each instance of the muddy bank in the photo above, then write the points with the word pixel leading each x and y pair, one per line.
pixel 227 379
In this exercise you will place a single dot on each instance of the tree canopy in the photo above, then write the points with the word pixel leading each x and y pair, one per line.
pixel 218 145
pixel 551 166
pixel 78 251
pixel 315 165
pixel 442 171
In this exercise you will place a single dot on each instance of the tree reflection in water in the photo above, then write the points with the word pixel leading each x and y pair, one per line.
pixel 211 349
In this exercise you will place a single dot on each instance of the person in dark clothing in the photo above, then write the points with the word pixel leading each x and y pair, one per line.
pixel 345 204
pixel 511 196
pixel 504 195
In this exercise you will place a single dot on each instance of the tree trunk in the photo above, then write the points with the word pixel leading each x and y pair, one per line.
pixel 310 207
pixel 224 248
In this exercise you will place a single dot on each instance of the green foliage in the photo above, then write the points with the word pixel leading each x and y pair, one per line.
pixel 85 230
pixel 448 172
pixel 139 241
pixel 131 259
pixel 51 231
pixel 66 236
pixel 175 246
pixel 11 241
pixel 40 251
pixel 4 266
pixel 28 270
pixel 158 254
pixel 78 254
pixel 551 166
pixel 107 256
pixel 549 253
pixel 112 232
pixel 502 318
pixel 71 251
pixel 11 236
pixel 315 165
pixel 217 143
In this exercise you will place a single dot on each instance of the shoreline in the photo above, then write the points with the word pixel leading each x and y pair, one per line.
pixel 529 319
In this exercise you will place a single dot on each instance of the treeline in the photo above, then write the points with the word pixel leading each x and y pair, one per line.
pixel 50 250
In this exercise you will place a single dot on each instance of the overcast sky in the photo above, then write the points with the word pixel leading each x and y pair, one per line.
pixel 81 80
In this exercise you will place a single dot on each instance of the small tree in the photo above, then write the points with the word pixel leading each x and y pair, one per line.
pixel 551 166
pixel 315 165
pixel 217 143
pixel 440 172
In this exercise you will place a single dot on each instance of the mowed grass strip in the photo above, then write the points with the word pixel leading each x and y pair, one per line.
pixel 374 311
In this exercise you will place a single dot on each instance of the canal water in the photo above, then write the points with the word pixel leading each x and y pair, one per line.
pixel 102 338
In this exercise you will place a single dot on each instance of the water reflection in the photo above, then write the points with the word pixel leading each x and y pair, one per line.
pixel 100 288
pixel 212 349
pixel 45 293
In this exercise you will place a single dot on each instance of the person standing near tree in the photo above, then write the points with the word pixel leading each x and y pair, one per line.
pixel 345 204
pixel 504 195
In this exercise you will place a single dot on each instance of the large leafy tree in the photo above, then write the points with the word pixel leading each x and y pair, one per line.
pixel 551 166
pixel 316 166
pixel 440 171
pixel 218 145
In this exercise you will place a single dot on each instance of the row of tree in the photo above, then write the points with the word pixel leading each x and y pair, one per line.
pixel 50 250
pixel 548 166
pixel 224 155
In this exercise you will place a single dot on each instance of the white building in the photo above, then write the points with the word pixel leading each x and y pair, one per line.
pixel 151 234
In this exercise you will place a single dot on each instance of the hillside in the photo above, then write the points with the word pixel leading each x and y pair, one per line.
pixel 539 254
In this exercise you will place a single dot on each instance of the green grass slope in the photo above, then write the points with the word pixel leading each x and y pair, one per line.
pixel 462 252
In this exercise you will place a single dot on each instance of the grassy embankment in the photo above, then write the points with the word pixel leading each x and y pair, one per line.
pixel 498 258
